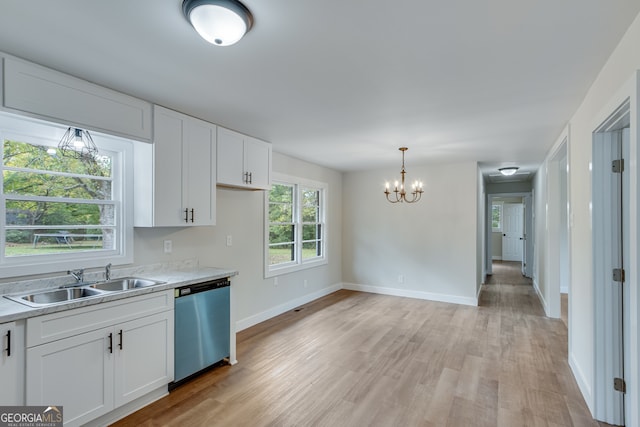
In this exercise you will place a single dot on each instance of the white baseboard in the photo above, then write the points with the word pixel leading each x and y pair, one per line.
pixel 496 258
pixel 284 307
pixel 545 306
pixel 290 305
pixel 583 385
pixel 411 294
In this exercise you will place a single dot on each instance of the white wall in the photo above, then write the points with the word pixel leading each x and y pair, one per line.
pixel 620 67
pixel 240 214
pixel 432 244
pixel 540 231
pixel 481 271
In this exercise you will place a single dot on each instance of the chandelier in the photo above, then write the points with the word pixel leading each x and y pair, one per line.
pixel 399 192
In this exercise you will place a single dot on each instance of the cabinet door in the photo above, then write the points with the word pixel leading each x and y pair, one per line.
pixel 75 372
pixel 167 168
pixel 11 364
pixel 198 160
pixel 257 157
pixel 230 159
pixel 144 350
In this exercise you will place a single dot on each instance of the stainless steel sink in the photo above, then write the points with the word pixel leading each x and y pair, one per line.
pixel 57 296
pixel 73 293
pixel 124 284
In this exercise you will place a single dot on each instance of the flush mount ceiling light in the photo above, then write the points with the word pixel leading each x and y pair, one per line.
pixel 78 143
pixel 509 170
pixel 220 22
pixel 400 195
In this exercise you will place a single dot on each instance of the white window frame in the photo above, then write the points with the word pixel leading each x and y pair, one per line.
pixel 298 263
pixel 500 206
pixel 48 134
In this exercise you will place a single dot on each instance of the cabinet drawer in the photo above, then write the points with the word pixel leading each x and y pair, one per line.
pixel 50 94
pixel 55 326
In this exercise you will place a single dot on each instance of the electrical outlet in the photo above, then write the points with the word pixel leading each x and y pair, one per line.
pixel 168 246
pixel 305 283
pixel 229 240
pixel 275 281
pixel 401 279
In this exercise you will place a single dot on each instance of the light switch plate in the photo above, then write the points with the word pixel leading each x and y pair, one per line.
pixel 168 246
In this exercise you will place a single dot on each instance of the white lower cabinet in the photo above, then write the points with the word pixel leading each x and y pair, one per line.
pixel 76 373
pixel 94 372
pixel 143 360
pixel 12 363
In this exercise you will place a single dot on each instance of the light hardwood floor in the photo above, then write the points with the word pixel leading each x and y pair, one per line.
pixel 358 359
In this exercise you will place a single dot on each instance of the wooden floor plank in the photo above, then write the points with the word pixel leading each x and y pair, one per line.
pixel 358 359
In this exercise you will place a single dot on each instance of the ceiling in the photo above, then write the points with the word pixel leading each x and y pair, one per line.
pixel 345 83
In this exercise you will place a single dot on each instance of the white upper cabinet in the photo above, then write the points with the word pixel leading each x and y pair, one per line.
pixel 175 176
pixel 49 94
pixel 243 161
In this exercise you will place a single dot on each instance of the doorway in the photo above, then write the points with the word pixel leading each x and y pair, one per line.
pixel 557 257
pixel 496 226
pixel 610 222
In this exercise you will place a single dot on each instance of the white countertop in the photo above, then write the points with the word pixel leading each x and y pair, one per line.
pixel 173 276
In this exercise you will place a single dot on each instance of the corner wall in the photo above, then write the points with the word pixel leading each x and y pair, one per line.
pixel 240 214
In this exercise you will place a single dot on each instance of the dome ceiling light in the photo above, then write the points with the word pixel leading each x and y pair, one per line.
pixel 509 170
pixel 220 22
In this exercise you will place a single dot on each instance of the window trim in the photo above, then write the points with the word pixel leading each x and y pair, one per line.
pixel 298 264
pixel 121 149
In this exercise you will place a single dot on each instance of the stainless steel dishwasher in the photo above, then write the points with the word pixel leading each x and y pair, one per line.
pixel 201 328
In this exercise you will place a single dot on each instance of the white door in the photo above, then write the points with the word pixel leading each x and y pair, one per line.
pixel 512 229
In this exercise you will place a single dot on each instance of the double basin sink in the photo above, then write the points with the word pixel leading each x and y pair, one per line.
pixel 81 291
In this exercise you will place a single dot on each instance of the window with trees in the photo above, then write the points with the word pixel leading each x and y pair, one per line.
pixel 295 229
pixel 58 208
pixel 496 217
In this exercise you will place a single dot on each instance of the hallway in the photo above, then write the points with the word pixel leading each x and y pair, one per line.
pixel 360 359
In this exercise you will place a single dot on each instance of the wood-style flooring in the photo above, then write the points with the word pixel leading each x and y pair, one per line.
pixel 359 359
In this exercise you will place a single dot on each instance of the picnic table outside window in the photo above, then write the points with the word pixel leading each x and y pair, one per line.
pixel 64 237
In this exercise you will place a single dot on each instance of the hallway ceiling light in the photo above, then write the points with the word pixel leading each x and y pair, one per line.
pixel 509 170
pixel 220 22
pixel 400 194
pixel 77 143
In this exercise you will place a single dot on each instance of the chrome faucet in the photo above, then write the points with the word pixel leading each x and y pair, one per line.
pixel 107 272
pixel 77 274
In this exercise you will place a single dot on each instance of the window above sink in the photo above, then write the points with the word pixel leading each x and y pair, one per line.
pixel 56 209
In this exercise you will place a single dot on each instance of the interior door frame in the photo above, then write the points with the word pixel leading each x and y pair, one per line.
pixel 629 92
pixel 557 176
